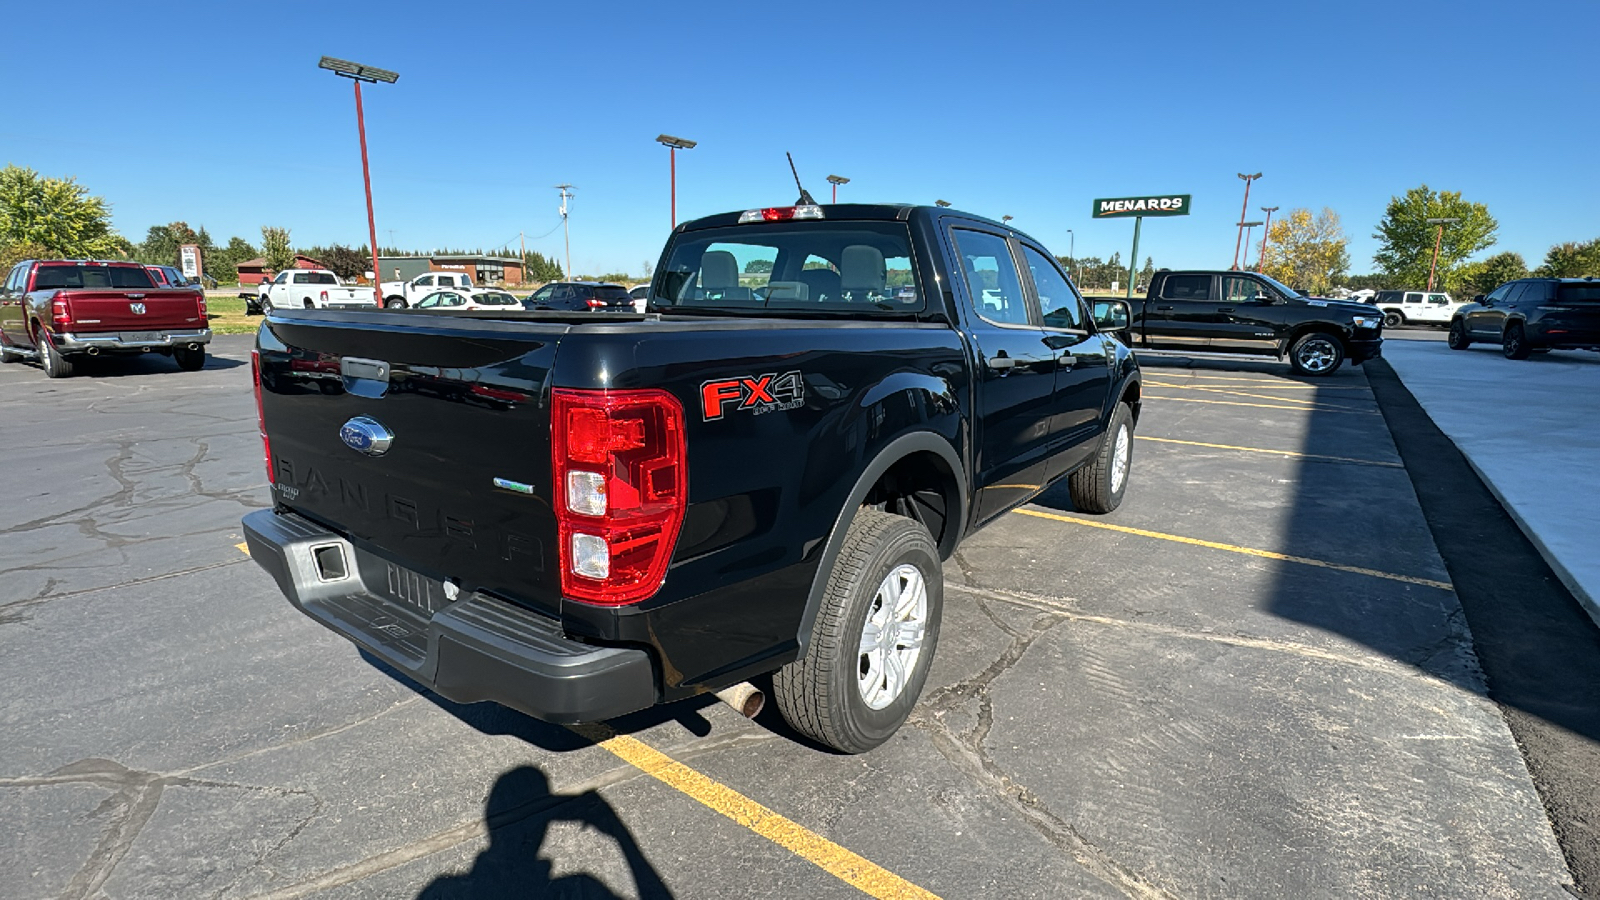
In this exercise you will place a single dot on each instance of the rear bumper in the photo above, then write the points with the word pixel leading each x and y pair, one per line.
pixel 1562 335
pixel 113 341
pixel 1363 350
pixel 476 648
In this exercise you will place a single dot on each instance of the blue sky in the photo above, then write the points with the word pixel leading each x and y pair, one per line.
pixel 1030 110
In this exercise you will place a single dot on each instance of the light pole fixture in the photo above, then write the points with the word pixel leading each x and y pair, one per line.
pixel 837 180
pixel 358 73
pixel 1266 234
pixel 673 145
pixel 1432 268
pixel 1248 227
pixel 942 204
pixel 1006 219
pixel 1242 209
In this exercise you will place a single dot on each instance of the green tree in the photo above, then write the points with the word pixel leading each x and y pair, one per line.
pixel 161 243
pixel 275 248
pixel 1491 273
pixel 1308 252
pixel 1407 239
pixel 1572 260
pixel 223 263
pixel 758 267
pixel 345 262
pixel 53 215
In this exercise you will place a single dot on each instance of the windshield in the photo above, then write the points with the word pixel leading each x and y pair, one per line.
pixel 91 276
pixel 860 268
pixel 496 299
pixel 1282 288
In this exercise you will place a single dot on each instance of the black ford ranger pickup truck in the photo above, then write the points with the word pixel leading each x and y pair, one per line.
pixel 1232 312
pixel 579 518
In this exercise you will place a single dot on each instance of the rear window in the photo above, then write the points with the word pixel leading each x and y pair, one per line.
pixel 315 278
pixel 497 299
pixel 1578 293
pixel 611 292
pixel 858 268
pixel 90 276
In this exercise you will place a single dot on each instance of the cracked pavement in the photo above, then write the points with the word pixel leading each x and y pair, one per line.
pixel 1108 715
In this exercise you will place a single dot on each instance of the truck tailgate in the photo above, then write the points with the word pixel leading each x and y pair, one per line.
pixel 462 489
pixel 152 310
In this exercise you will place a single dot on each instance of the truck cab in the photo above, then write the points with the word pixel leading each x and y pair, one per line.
pixel 404 294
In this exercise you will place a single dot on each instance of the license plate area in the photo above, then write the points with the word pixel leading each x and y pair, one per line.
pixel 401 585
pixel 142 337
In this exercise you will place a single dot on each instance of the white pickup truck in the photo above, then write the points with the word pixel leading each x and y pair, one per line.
pixel 403 294
pixel 313 289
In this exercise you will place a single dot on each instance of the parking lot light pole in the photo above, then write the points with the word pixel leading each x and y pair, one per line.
pixel 359 73
pixel 673 145
pixel 1006 220
pixel 837 180
pixel 1243 210
pixel 1437 241
pixel 1266 233
pixel 942 204
pixel 1072 252
pixel 1248 227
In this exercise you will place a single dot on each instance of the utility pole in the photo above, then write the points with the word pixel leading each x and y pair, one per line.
pixel 1072 253
pixel 1242 212
pixel 566 192
pixel 1437 241
pixel 358 73
pixel 1266 233
pixel 522 238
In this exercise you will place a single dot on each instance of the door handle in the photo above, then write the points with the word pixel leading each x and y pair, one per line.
pixel 1002 362
pixel 1163 309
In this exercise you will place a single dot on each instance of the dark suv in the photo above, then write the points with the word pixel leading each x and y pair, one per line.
pixel 1532 314
pixel 581 296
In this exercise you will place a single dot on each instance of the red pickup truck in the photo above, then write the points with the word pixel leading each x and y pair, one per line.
pixel 60 310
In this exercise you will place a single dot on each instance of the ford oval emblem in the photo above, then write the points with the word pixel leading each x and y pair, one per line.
pixel 366 435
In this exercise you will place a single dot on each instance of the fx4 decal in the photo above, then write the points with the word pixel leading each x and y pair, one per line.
pixel 759 394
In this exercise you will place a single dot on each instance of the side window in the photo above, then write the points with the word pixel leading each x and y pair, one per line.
pixel 1500 293
pixel 1413 297
pixel 283 278
pixel 428 302
pixel 1438 299
pixel 1517 293
pixel 452 300
pixel 425 281
pixel 1187 287
pixel 1243 290
pixel 992 277
pixel 542 295
pixel 14 280
pixel 1057 300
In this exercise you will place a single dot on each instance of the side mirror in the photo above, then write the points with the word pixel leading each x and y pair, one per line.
pixel 1478 298
pixel 1112 315
pixel 1263 299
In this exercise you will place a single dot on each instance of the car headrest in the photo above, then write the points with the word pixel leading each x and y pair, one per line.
pixel 861 269
pixel 719 271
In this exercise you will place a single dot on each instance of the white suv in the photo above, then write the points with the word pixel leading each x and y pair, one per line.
pixel 1421 307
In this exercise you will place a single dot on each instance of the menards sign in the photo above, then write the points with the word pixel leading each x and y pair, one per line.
pixel 1159 205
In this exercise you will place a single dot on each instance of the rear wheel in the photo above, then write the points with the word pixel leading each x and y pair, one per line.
pixel 190 360
pixel 1392 319
pixel 1458 339
pixel 309 304
pixel 55 365
pixel 874 637
pixel 1514 342
pixel 1098 487
pixel 1317 353
pixel 395 303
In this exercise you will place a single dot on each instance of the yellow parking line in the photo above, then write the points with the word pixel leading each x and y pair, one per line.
pixel 854 870
pixel 243 548
pixel 1247 551
pixel 1228 391
pixel 1364 412
pixel 1294 453
pixel 1286 386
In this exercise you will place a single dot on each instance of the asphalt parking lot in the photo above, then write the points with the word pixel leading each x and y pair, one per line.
pixel 1254 679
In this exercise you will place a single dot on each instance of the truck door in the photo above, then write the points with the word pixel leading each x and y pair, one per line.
pixel 1083 377
pixel 1184 316
pixel 1245 320
pixel 13 320
pixel 1016 377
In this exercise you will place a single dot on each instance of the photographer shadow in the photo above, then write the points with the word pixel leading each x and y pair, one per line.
pixel 518 812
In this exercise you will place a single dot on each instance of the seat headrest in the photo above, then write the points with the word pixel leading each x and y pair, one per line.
pixel 861 269
pixel 719 271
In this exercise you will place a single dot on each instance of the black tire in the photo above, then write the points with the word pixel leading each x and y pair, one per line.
pixel 309 304
pixel 1316 353
pixel 1098 487
pixel 1514 342
pixel 190 360
pixel 1458 339
pixel 820 694
pixel 395 303
pixel 55 365
pixel 1392 319
pixel 266 304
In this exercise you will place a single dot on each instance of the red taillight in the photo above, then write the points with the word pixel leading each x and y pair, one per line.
pixel 60 313
pixel 202 300
pixel 261 416
pixel 780 214
pixel 621 485
pixel 595 302
pixel 324 298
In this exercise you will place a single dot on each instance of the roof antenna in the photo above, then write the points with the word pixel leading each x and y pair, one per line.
pixel 805 196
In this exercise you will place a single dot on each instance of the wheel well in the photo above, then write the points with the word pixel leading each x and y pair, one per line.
pixel 922 487
pixel 1131 396
pixel 1312 328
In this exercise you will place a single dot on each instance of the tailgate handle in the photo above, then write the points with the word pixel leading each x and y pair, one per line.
pixel 365 377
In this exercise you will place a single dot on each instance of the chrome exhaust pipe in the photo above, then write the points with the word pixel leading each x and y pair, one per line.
pixel 194 346
pixel 93 350
pixel 744 697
